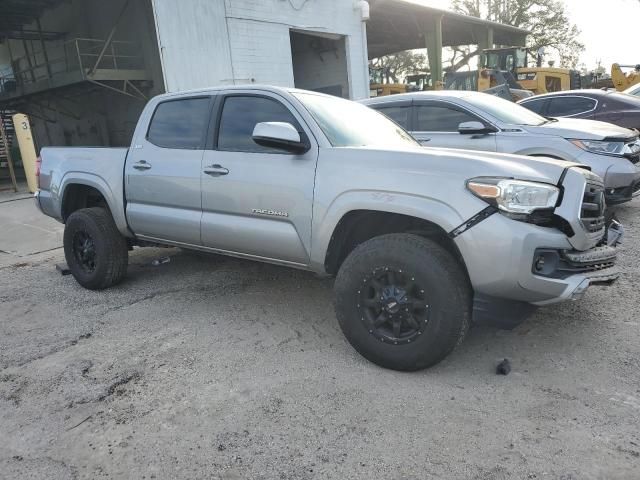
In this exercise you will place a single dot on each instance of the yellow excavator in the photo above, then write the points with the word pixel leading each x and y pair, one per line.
pixel 512 71
pixel 622 81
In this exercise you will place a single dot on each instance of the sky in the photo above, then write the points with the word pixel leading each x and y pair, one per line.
pixel 609 29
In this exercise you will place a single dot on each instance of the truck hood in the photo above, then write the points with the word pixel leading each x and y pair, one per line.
pixel 583 129
pixel 469 164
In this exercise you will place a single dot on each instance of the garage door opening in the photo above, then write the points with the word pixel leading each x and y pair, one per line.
pixel 320 63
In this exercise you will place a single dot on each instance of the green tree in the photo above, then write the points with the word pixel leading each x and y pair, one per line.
pixel 547 21
pixel 393 68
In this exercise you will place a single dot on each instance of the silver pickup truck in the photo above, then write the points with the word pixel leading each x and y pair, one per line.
pixel 420 241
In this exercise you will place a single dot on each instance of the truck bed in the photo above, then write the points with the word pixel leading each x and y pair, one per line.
pixel 100 168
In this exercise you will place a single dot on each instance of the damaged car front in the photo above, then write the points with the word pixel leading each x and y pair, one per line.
pixel 551 241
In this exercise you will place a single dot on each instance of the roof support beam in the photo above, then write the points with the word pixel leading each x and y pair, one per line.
pixel 485 37
pixel 433 42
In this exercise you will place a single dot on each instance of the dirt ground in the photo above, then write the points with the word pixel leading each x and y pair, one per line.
pixel 211 367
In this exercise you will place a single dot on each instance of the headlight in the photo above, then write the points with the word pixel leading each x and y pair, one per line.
pixel 515 197
pixel 603 148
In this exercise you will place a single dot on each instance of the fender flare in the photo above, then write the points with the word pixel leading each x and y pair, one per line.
pixel 326 221
pixel 115 204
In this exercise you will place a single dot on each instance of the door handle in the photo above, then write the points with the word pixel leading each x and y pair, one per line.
pixel 216 170
pixel 142 165
pixel 424 140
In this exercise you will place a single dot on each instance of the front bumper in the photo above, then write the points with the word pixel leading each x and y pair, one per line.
pixel 505 268
pixel 621 176
pixel 618 195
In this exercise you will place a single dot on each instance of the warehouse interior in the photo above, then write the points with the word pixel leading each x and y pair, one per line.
pixel 320 62
pixel 81 69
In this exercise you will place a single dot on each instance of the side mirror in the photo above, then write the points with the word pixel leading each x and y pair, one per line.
pixel 474 128
pixel 280 135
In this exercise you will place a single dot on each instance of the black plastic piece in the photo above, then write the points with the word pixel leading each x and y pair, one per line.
pixel 500 313
pixel 504 367
pixel 476 219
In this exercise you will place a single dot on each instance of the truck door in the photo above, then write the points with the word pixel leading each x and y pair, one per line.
pixel 436 125
pixel 162 172
pixel 257 201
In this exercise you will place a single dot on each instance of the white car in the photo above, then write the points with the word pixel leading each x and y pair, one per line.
pixel 478 121
pixel 633 90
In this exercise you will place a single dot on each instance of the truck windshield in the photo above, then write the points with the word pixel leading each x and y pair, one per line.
pixel 349 124
pixel 504 110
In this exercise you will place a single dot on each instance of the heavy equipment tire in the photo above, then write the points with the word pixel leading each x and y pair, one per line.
pixel 96 252
pixel 403 301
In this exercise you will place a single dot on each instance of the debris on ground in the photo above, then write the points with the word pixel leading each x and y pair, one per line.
pixel 160 261
pixel 63 269
pixel 504 367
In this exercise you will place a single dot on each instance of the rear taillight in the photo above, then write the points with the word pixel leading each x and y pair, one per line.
pixel 38 165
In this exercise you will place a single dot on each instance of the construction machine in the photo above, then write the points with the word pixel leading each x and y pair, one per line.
pixel 415 82
pixel 528 70
pixel 622 80
pixel 512 70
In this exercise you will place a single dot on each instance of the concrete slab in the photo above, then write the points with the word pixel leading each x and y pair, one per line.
pixel 25 231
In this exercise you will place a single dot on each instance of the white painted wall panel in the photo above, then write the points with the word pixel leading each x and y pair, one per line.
pixel 194 43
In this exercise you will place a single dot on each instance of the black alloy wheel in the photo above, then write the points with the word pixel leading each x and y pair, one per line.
pixel 84 251
pixel 393 306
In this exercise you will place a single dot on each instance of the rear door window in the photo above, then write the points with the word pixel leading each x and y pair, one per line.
pixel 180 123
pixel 565 106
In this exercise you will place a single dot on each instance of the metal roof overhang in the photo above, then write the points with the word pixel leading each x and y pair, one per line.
pixel 398 25
pixel 17 14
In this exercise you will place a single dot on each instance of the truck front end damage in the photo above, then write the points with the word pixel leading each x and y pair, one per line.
pixel 545 258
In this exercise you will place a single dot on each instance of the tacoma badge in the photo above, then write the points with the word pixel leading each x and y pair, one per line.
pixel 273 213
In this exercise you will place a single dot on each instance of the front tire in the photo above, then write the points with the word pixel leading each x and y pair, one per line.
pixel 96 252
pixel 402 301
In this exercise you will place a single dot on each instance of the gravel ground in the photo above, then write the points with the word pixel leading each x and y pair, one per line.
pixel 211 367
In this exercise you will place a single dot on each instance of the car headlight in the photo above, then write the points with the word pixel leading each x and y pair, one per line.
pixel 516 198
pixel 601 147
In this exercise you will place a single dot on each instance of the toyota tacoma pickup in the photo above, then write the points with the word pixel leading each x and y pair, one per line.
pixel 421 241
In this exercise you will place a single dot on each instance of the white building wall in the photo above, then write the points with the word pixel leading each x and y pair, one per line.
pixel 193 43
pixel 213 42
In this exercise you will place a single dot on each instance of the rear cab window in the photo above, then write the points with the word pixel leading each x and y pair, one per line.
pixel 181 123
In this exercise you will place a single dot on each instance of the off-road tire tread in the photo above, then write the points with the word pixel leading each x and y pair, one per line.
pixel 115 247
pixel 416 250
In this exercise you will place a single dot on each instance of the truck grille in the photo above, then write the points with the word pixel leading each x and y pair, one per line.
pixel 593 206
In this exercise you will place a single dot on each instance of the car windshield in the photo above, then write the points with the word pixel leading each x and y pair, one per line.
pixel 350 124
pixel 505 111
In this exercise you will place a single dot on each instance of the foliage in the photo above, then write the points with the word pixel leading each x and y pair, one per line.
pixel 393 68
pixel 546 20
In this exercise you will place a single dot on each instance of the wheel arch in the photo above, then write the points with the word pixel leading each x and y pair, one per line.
pixel 358 226
pixel 82 190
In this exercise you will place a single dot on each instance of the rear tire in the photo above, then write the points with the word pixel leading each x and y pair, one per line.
pixel 403 301
pixel 96 252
